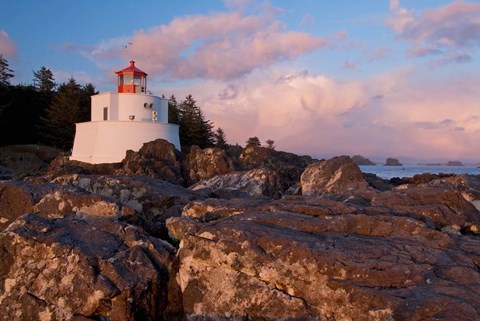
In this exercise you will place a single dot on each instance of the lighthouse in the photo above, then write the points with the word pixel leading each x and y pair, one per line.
pixel 123 120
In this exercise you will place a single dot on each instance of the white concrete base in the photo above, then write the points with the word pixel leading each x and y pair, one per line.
pixel 107 141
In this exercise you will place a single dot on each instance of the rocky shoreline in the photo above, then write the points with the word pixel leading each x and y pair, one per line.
pixel 268 236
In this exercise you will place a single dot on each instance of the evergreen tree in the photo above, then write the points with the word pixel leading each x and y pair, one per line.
pixel 5 72
pixel 87 91
pixel 194 128
pixel 20 112
pixel 173 112
pixel 69 106
pixel 253 142
pixel 270 143
pixel 43 80
pixel 220 138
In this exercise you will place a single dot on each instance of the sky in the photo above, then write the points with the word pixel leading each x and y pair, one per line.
pixel 380 78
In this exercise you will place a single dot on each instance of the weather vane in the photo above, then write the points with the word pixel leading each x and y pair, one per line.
pixel 125 47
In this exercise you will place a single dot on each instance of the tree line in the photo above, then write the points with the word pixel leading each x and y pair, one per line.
pixel 45 112
pixel 42 112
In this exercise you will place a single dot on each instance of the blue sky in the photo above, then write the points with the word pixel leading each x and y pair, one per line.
pixel 379 78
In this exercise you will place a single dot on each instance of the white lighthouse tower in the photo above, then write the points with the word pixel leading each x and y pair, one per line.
pixel 123 120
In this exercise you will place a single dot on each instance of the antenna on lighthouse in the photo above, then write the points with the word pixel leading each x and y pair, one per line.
pixel 125 47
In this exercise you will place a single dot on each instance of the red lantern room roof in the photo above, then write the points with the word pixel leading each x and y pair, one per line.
pixel 131 70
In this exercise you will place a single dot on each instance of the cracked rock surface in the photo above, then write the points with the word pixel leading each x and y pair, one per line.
pixel 291 266
pixel 268 244
pixel 342 251
pixel 94 268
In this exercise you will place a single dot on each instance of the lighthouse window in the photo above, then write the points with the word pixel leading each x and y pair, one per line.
pixel 137 80
pixel 126 80
pixel 105 113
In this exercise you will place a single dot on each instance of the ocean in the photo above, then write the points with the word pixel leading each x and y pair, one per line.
pixel 388 172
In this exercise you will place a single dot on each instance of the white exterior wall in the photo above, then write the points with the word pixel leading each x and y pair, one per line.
pixel 98 103
pixel 122 105
pixel 107 141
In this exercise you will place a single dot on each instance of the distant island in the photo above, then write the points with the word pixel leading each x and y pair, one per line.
pixel 454 163
pixel 360 160
pixel 392 162
pixel 449 163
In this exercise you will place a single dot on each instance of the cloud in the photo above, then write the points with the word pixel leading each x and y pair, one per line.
pixel 222 45
pixel 385 115
pixel 450 30
pixel 7 47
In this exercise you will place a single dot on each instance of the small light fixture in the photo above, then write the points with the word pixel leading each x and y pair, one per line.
pixel 131 117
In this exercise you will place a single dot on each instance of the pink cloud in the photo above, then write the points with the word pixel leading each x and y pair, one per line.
pixel 393 114
pixel 221 45
pixel 7 47
pixel 447 29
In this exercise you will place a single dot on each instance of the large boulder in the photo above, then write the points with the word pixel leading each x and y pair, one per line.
pixel 339 175
pixel 288 166
pixel 258 182
pixel 18 198
pixel 156 159
pixel 82 269
pixel 291 266
pixel 206 163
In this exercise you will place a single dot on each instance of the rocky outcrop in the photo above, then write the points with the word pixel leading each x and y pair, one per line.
pixel 352 247
pixel 288 166
pixel 62 165
pixel 140 200
pixel 207 163
pixel 438 208
pixel 360 160
pixel 377 182
pixel 82 269
pixel 256 182
pixel 454 163
pixel 419 179
pixel 409 252
pixel 392 162
pixel 156 159
pixel 467 185
pixel 291 266
pixel 339 175
pixel 254 157
pixel 18 198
